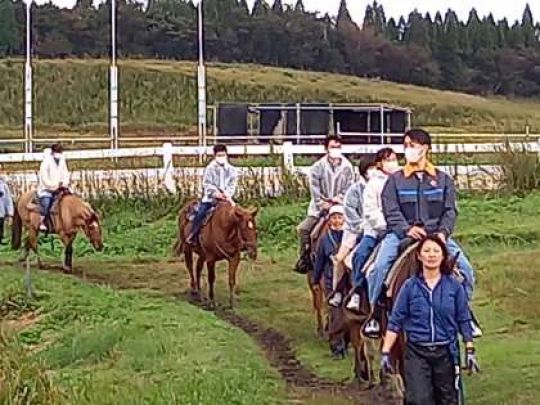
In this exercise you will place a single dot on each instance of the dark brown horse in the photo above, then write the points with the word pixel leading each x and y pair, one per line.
pixel 69 215
pixel 229 231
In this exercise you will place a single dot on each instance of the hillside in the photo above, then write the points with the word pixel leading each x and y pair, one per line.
pixel 71 95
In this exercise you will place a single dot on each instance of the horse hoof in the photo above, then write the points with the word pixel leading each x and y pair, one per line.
pixel 211 306
pixel 67 270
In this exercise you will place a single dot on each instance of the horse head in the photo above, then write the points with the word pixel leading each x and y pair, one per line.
pixel 247 230
pixel 92 230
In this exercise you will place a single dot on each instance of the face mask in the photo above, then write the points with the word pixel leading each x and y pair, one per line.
pixel 334 153
pixel 221 160
pixel 57 156
pixel 414 155
pixel 391 167
pixel 371 173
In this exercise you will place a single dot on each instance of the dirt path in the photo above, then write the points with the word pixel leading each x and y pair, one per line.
pixel 275 345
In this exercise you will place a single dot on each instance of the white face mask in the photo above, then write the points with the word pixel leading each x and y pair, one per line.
pixel 391 166
pixel 57 156
pixel 414 155
pixel 221 160
pixel 335 153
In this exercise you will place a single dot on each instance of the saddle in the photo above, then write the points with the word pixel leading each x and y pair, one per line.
pixel 33 206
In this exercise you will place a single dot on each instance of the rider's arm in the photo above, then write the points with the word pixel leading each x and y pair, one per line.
pixel 373 213
pixel 44 176
pixel 209 189
pixel 230 189
pixel 395 220
pixel 449 215
pixel 346 182
pixel 463 315
pixel 315 176
pixel 353 208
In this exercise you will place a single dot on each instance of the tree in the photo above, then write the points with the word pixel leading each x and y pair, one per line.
pixel 9 30
pixel 299 7
pixel 259 8
pixel 344 19
pixel 277 7
pixel 527 25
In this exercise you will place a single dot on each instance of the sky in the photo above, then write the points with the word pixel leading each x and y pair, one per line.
pixel 395 8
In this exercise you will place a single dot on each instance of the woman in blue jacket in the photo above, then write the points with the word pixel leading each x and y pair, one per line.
pixel 431 309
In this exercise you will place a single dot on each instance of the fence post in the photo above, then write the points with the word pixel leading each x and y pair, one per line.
pixel 288 156
pixel 168 167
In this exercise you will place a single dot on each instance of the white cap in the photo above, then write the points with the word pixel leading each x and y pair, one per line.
pixel 336 209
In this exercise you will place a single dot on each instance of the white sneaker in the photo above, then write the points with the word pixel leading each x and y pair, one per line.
pixel 42 227
pixel 354 302
pixel 476 331
pixel 372 328
pixel 335 301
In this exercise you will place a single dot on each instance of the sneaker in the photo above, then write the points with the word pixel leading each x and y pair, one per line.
pixel 43 227
pixel 354 302
pixel 372 329
pixel 476 331
pixel 335 300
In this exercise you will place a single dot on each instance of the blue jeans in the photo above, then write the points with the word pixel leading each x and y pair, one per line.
pixel 388 254
pixel 199 218
pixel 45 202
pixel 360 257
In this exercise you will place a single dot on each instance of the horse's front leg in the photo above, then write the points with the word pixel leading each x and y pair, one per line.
pixel 32 244
pixel 234 262
pixel 67 263
pixel 211 266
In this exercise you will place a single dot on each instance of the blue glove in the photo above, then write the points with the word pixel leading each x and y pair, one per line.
pixel 471 361
pixel 386 363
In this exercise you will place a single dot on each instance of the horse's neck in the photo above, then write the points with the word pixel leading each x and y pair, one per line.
pixel 227 225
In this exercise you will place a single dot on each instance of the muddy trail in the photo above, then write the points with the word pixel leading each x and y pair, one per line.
pixel 276 346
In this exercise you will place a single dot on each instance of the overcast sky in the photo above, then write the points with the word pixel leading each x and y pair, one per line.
pixel 394 8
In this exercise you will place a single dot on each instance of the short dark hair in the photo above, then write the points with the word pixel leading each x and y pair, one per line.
pixel 418 136
pixel 219 148
pixel 447 264
pixel 383 154
pixel 57 148
pixel 366 162
pixel 331 138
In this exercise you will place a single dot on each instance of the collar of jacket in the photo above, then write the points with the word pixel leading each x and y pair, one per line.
pixel 429 168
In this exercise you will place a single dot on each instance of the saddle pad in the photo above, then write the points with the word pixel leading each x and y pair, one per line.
pixel 397 266
pixel 317 231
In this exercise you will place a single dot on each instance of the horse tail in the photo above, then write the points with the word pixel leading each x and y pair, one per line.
pixel 179 245
pixel 16 230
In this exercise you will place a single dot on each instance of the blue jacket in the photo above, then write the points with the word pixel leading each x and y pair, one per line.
pixel 323 264
pixel 429 202
pixel 432 317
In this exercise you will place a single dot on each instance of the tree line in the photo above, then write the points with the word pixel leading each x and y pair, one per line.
pixel 480 55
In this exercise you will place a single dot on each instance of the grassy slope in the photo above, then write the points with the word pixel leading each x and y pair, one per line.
pixel 106 347
pixel 72 94
pixel 501 236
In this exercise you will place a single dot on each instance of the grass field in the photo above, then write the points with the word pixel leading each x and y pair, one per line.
pixel 82 328
pixel 159 97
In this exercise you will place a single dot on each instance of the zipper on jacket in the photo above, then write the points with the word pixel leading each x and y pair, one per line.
pixel 418 190
pixel 431 316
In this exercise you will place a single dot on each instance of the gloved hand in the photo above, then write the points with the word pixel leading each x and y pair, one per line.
pixel 386 363
pixel 471 361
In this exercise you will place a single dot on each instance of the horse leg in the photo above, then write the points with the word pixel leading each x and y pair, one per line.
pixel 362 365
pixel 188 256
pixel 233 266
pixel 32 244
pixel 67 265
pixel 211 266
pixel 199 270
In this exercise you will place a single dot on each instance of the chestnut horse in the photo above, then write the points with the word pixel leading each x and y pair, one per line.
pixel 229 231
pixel 69 215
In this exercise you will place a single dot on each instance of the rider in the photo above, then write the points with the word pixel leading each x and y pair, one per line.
pixel 328 247
pixel 417 201
pixel 6 203
pixel 354 223
pixel 330 177
pixel 374 222
pixel 219 184
pixel 53 175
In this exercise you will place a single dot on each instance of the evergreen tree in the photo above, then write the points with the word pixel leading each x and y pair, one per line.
pixel 9 30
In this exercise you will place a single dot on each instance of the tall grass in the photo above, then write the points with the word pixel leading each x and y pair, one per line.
pixel 73 94
pixel 520 169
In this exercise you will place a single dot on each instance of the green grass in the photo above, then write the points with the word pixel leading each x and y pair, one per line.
pixel 160 97
pixel 501 235
pixel 108 347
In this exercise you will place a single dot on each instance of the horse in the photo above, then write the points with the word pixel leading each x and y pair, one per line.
pixel 228 231
pixel 69 215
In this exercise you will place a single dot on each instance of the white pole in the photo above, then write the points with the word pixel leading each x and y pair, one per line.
pixel 28 83
pixel 201 81
pixel 113 110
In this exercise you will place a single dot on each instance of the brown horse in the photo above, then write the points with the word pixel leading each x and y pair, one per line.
pixel 69 215
pixel 229 231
